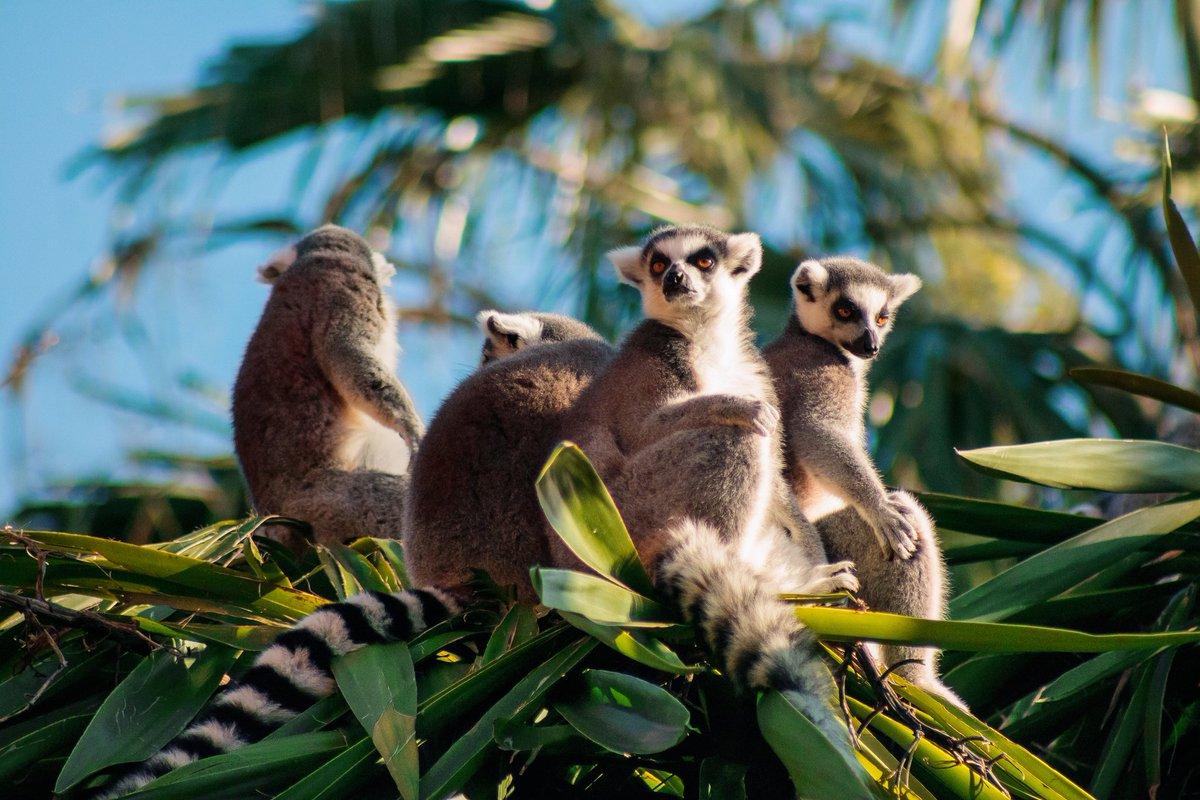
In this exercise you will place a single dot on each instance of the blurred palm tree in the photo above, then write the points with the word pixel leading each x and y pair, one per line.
pixel 498 148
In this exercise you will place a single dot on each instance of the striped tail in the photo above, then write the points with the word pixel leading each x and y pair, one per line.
pixel 754 636
pixel 289 676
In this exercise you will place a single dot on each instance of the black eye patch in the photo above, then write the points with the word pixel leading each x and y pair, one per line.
pixel 846 311
pixel 703 258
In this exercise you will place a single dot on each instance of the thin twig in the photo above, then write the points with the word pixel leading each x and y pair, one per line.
pixel 83 620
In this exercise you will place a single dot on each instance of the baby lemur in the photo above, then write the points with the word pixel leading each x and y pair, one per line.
pixel 844 309
pixel 323 428
pixel 682 427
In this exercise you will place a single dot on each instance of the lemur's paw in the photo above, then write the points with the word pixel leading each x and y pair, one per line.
pixel 764 418
pixel 829 578
pixel 895 532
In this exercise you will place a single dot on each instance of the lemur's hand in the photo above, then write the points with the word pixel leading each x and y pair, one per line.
pixel 762 417
pixel 894 531
pixel 829 578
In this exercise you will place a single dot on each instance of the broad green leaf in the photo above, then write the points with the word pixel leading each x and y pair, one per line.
pixel 380 685
pixel 1003 520
pixel 845 625
pixel 634 643
pixel 1182 244
pixel 1142 385
pixel 243 637
pixel 543 738
pixel 342 776
pixel 1111 465
pixel 247 771
pixel 28 741
pixel 460 761
pixel 1123 739
pixel 320 714
pixel 210 580
pixel 582 512
pixel 449 704
pixel 1058 568
pixel 817 766
pixel 518 625
pixel 17 689
pixel 595 598
pixel 625 714
pixel 154 702
pixel 349 571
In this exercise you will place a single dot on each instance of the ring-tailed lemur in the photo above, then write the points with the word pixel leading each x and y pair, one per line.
pixel 295 671
pixel 682 427
pixel 323 428
pixel 505 334
pixel 844 309
pixel 288 677
pixel 472 503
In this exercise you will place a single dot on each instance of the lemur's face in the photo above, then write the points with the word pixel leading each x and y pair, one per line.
pixel 687 270
pixel 849 302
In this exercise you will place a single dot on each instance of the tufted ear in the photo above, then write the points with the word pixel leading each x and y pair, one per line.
pixel 509 332
pixel 277 264
pixel 628 261
pixel 745 253
pixel 904 286
pixel 810 279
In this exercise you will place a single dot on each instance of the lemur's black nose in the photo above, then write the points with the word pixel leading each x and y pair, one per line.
pixel 675 281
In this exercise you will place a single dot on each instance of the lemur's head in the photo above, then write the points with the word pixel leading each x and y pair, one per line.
pixel 689 271
pixel 329 238
pixel 505 334
pixel 848 302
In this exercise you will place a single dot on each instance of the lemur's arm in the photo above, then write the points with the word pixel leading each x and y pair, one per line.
pixel 709 410
pixel 841 463
pixel 344 348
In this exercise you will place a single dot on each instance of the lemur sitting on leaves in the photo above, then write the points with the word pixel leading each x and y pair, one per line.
pixel 844 309
pixel 323 428
pixel 295 671
pixel 682 427
pixel 472 500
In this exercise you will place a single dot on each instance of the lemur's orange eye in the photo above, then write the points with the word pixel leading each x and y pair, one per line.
pixel 843 312
pixel 882 319
pixel 658 266
pixel 705 262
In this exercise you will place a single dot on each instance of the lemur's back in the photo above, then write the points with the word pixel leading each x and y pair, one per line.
pixel 472 500
pixel 288 418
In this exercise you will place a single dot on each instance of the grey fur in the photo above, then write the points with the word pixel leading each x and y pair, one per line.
pixel 683 427
pixel 819 364
pixel 322 426
pixel 473 504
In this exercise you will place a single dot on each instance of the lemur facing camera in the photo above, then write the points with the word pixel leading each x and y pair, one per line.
pixel 844 309
pixel 472 499
pixel 682 427
pixel 322 427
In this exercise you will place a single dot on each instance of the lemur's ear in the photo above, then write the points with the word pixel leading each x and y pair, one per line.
pixel 904 286
pixel 628 261
pixel 509 332
pixel 277 264
pixel 745 253
pixel 810 279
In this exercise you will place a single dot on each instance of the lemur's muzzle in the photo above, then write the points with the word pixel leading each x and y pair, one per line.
pixel 676 282
pixel 865 346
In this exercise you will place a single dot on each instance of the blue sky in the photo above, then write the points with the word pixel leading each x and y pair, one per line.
pixel 63 67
